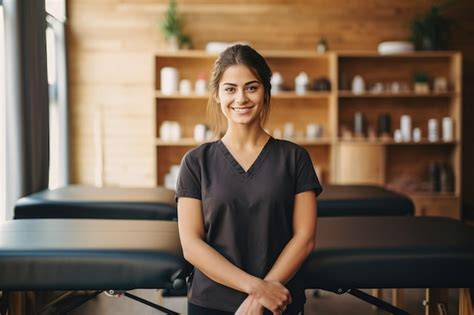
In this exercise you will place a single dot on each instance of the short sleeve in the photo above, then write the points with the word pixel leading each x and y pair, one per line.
pixel 189 179
pixel 306 178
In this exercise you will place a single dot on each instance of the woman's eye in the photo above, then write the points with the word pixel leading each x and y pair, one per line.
pixel 252 88
pixel 229 89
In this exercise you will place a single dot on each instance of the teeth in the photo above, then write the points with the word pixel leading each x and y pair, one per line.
pixel 241 109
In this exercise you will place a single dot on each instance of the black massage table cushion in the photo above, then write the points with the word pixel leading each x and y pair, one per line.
pixel 362 200
pixel 88 202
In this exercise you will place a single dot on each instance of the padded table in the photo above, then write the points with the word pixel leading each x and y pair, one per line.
pixel 351 253
pixel 362 200
pixel 88 202
pixel 157 203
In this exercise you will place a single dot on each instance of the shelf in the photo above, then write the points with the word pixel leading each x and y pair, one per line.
pixel 349 94
pixel 279 95
pixel 183 142
pixel 428 194
pixel 415 54
pixel 392 142
pixel 160 95
pixel 186 142
pixel 267 54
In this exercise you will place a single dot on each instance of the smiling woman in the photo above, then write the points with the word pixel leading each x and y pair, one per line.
pixel 246 202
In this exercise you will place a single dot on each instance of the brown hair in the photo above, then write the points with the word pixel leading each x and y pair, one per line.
pixel 237 55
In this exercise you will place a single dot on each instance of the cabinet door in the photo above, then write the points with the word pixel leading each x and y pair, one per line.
pixel 444 206
pixel 360 163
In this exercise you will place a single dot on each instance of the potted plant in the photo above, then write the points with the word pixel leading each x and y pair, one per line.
pixel 421 85
pixel 432 30
pixel 171 26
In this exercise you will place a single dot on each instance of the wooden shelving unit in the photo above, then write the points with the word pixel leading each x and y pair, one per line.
pixel 401 166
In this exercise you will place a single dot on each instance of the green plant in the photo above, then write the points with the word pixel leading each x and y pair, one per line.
pixel 432 30
pixel 421 77
pixel 171 25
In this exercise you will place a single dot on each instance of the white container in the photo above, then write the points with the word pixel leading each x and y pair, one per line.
pixel 358 85
pixel 288 130
pixel 432 130
pixel 301 83
pixel 165 132
pixel 395 47
pixel 313 131
pixel 416 134
pixel 277 134
pixel 169 78
pixel 200 132
pixel 185 87
pixel 397 135
pixel 405 128
pixel 175 131
pixel 448 130
pixel 200 87
pixel 276 82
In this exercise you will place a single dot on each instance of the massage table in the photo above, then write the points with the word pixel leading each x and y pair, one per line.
pixel 158 203
pixel 88 202
pixel 352 253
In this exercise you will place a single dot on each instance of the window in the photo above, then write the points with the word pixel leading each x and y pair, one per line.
pixel 3 139
pixel 56 63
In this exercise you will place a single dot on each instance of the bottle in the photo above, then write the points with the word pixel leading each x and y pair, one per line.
pixel 448 129
pixel 301 83
pixel 432 130
pixel 405 127
pixel 169 78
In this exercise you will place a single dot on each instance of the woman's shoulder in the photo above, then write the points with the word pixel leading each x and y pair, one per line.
pixel 289 146
pixel 200 151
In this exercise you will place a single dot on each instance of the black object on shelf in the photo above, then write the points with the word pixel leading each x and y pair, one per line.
pixel 322 84
pixel 435 176
pixel 359 124
pixel 384 124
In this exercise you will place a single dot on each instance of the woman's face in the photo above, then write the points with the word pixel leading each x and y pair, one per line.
pixel 241 95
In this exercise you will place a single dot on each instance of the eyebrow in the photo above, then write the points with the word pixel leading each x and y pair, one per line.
pixel 233 84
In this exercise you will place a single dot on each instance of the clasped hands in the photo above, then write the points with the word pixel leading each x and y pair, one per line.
pixel 271 295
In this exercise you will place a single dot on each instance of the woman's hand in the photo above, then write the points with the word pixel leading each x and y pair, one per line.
pixel 250 306
pixel 272 295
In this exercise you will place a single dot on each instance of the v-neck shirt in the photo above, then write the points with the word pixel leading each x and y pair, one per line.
pixel 247 214
pixel 236 164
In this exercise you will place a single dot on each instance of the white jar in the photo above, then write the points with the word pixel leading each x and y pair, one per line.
pixel 200 132
pixel 432 130
pixel 288 130
pixel 165 134
pixel 175 131
pixel 169 78
pixel 416 134
pixel 301 83
pixel 185 87
pixel 200 87
pixel 276 82
pixel 448 130
pixel 397 135
pixel 405 127
pixel 358 85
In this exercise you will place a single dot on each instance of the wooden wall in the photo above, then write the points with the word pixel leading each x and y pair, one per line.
pixel 111 45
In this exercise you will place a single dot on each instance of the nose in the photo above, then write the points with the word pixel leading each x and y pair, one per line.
pixel 241 98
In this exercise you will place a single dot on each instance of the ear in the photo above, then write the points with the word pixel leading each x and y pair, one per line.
pixel 216 98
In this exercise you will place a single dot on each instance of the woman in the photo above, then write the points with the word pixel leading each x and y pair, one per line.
pixel 247 202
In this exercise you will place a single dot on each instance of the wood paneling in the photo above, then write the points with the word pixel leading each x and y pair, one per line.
pixel 112 44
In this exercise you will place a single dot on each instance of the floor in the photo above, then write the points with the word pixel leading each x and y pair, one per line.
pixel 326 303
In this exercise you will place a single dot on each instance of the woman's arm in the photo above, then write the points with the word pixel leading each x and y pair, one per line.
pixel 270 294
pixel 302 243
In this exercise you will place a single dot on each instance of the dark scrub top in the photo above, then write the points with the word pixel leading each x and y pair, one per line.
pixel 247 215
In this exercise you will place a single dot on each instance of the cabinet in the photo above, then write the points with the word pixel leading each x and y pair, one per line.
pixel 399 166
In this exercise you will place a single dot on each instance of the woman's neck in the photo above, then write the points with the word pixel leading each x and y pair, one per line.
pixel 241 137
